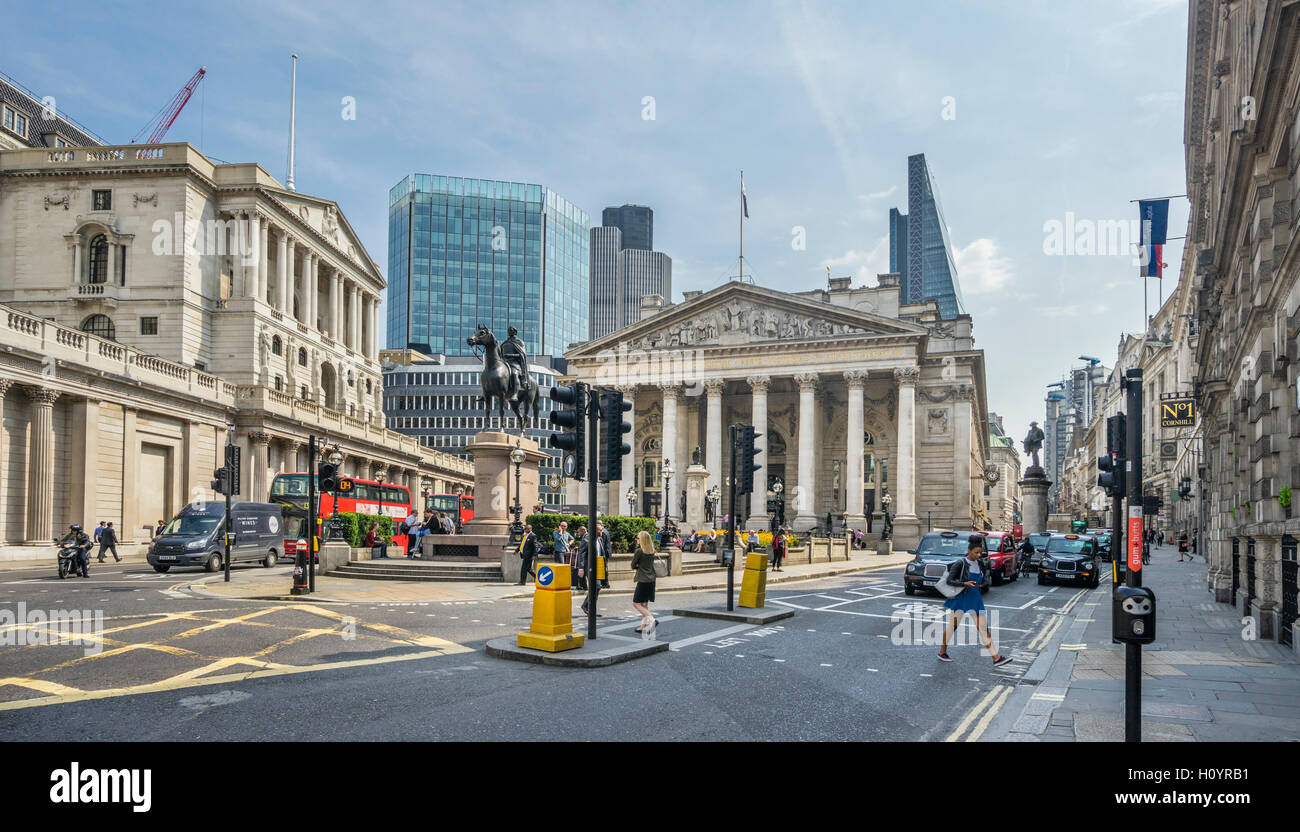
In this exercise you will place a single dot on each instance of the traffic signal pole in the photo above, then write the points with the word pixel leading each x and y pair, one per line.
pixel 1133 478
pixel 593 537
pixel 731 520
pixel 230 486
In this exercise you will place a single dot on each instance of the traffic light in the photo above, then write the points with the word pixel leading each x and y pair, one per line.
pixel 612 428
pixel 573 443
pixel 329 476
pixel 1110 467
pixel 746 467
pixel 221 484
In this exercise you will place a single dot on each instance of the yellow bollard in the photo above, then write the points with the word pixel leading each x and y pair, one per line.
pixel 753 586
pixel 552 625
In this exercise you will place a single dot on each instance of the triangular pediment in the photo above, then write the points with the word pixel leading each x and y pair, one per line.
pixel 325 218
pixel 738 314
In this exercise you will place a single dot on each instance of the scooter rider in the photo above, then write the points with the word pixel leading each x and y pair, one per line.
pixel 77 537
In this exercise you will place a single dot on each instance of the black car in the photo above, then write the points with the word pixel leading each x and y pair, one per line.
pixel 1039 542
pixel 1071 557
pixel 934 553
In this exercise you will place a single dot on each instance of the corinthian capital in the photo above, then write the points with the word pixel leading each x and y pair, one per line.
pixel 41 395
pixel 714 386
pixel 855 378
pixel 907 376
pixel 759 383
pixel 806 380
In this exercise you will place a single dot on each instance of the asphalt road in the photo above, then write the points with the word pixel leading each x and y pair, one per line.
pixel 176 667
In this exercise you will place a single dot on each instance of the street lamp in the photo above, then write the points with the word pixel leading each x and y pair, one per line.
pixel 668 491
pixel 631 501
pixel 336 526
pixel 517 456
pixel 778 488
pixel 885 528
pixel 714 496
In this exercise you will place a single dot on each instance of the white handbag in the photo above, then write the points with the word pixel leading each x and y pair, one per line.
pixel 661 568
pixel 948 590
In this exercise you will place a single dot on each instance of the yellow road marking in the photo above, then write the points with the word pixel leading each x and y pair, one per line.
pixel 991 712
pixel 222 664
pixel 37 684
pixel 1046 633
pixel 970 717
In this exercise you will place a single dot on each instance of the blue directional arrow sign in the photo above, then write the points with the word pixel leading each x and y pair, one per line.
pixel 545 575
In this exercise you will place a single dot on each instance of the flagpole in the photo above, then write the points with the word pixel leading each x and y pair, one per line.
pixel 742 227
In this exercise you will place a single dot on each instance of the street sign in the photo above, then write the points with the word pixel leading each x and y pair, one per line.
pixel 1177 411
pixel 1135 538
pixel 545 575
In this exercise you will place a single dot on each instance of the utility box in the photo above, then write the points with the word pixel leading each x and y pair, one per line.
pixel 1133 614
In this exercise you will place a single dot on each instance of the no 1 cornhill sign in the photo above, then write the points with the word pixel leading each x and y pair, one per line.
pixel 1177 410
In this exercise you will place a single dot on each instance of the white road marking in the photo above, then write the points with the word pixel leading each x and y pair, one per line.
pixel 725 631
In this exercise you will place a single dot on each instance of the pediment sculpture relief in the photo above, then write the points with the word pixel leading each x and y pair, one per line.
pixel 726 322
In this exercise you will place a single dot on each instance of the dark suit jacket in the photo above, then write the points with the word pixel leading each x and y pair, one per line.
pixel 530 547
pixel 108 536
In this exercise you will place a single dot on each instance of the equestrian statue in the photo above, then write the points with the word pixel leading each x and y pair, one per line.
pixel 505 375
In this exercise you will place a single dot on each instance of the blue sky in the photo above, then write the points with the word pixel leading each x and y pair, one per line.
pixel 1059 108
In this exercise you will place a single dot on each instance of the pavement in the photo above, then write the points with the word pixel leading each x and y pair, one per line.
pixel 273 584
pixel 1202 679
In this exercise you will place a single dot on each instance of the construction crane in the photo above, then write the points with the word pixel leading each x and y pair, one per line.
pixel 162 120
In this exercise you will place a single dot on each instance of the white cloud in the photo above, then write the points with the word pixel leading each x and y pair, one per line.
pixel 878 194
pixel 863 265
pixel 981 269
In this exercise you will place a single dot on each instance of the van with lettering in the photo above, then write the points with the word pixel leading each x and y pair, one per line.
pixel 196 536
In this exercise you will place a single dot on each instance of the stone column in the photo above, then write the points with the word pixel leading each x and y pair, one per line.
pixel 856 519
pixel 40 466
pixel 261 443
pixel 906 526
pixel 806 496
pixel 112 264
pixel 962 516
pixel 713 438
pixel 281 271
pixel 374 328
pixel 263 256
pixel 313 293
pixel 413 485
pixel 333 325
pixel 758 500
pixel 681 452
pixel 291 282
pixel 250 253
pixel 364 347
pixel 354 328
pixel 668 438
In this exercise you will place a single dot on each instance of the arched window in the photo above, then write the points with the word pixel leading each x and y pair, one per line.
pixel 101 326
pixel 302 356
pixel 277 346
pixel 98 259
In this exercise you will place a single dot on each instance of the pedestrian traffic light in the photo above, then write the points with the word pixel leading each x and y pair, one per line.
pixel 329 476
pixel 612 428
pixel 221 484
pixel 746 467
pixel 574 442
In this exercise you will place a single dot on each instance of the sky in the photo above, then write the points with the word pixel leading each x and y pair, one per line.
pixel 1028 113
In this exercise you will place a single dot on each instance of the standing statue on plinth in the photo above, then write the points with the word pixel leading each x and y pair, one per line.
pixel 1034 443
pixel 505 377
pixel 695 455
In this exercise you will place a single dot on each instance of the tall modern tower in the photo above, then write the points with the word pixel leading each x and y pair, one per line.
pixel 621 274
pixel 468 251
pixel 919 249
pixel 636 222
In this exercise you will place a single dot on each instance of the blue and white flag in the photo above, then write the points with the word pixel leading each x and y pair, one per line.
pixel 1154 214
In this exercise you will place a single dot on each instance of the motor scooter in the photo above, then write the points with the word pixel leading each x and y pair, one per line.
pixel 70 562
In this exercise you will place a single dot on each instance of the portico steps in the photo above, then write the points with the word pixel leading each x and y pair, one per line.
pixel 422 570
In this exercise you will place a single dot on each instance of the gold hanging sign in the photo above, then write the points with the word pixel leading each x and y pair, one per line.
pixel 1177 411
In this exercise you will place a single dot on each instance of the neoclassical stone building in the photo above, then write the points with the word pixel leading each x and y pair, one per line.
pixel 856 396
pixel 153 299
pixel 1242 134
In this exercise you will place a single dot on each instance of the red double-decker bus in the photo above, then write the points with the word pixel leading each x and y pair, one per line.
pixel 367 497
pixel 459 506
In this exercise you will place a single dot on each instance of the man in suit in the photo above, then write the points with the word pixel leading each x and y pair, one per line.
pixel 527 553
pixel 108 540
pixel 601 540
pixel 578 560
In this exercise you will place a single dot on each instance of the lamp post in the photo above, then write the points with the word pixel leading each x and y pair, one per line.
pixel 779 488
pixel 885 528
pixel 517 456
pixel 336 526
pixel 631 501
pixel 668 491
pixel 714 496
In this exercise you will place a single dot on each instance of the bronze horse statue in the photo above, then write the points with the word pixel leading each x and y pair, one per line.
pixel 503 381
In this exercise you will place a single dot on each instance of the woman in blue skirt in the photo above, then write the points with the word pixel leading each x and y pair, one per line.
pixel 967 572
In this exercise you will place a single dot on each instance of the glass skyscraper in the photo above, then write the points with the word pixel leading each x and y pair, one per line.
pixel 636 222
pixel 919 249
pixel 468 251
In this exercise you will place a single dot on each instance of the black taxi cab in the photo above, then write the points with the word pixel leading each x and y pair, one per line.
pixel 934 553
pixel 1070 557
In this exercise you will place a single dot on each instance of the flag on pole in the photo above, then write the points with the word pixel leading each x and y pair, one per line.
pixel 744 200
pixel 1154 216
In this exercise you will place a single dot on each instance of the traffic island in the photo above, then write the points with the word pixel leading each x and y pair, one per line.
pixel 741 615
pixel 601 652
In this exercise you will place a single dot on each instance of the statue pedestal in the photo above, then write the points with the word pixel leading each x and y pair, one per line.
pixel 697 483
pixel 494 482
pixel 1033 496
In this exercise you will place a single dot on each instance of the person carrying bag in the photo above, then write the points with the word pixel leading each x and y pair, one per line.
pixel 643 563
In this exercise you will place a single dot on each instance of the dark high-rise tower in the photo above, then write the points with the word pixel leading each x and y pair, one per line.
pixel 918 245
pixel 636 222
